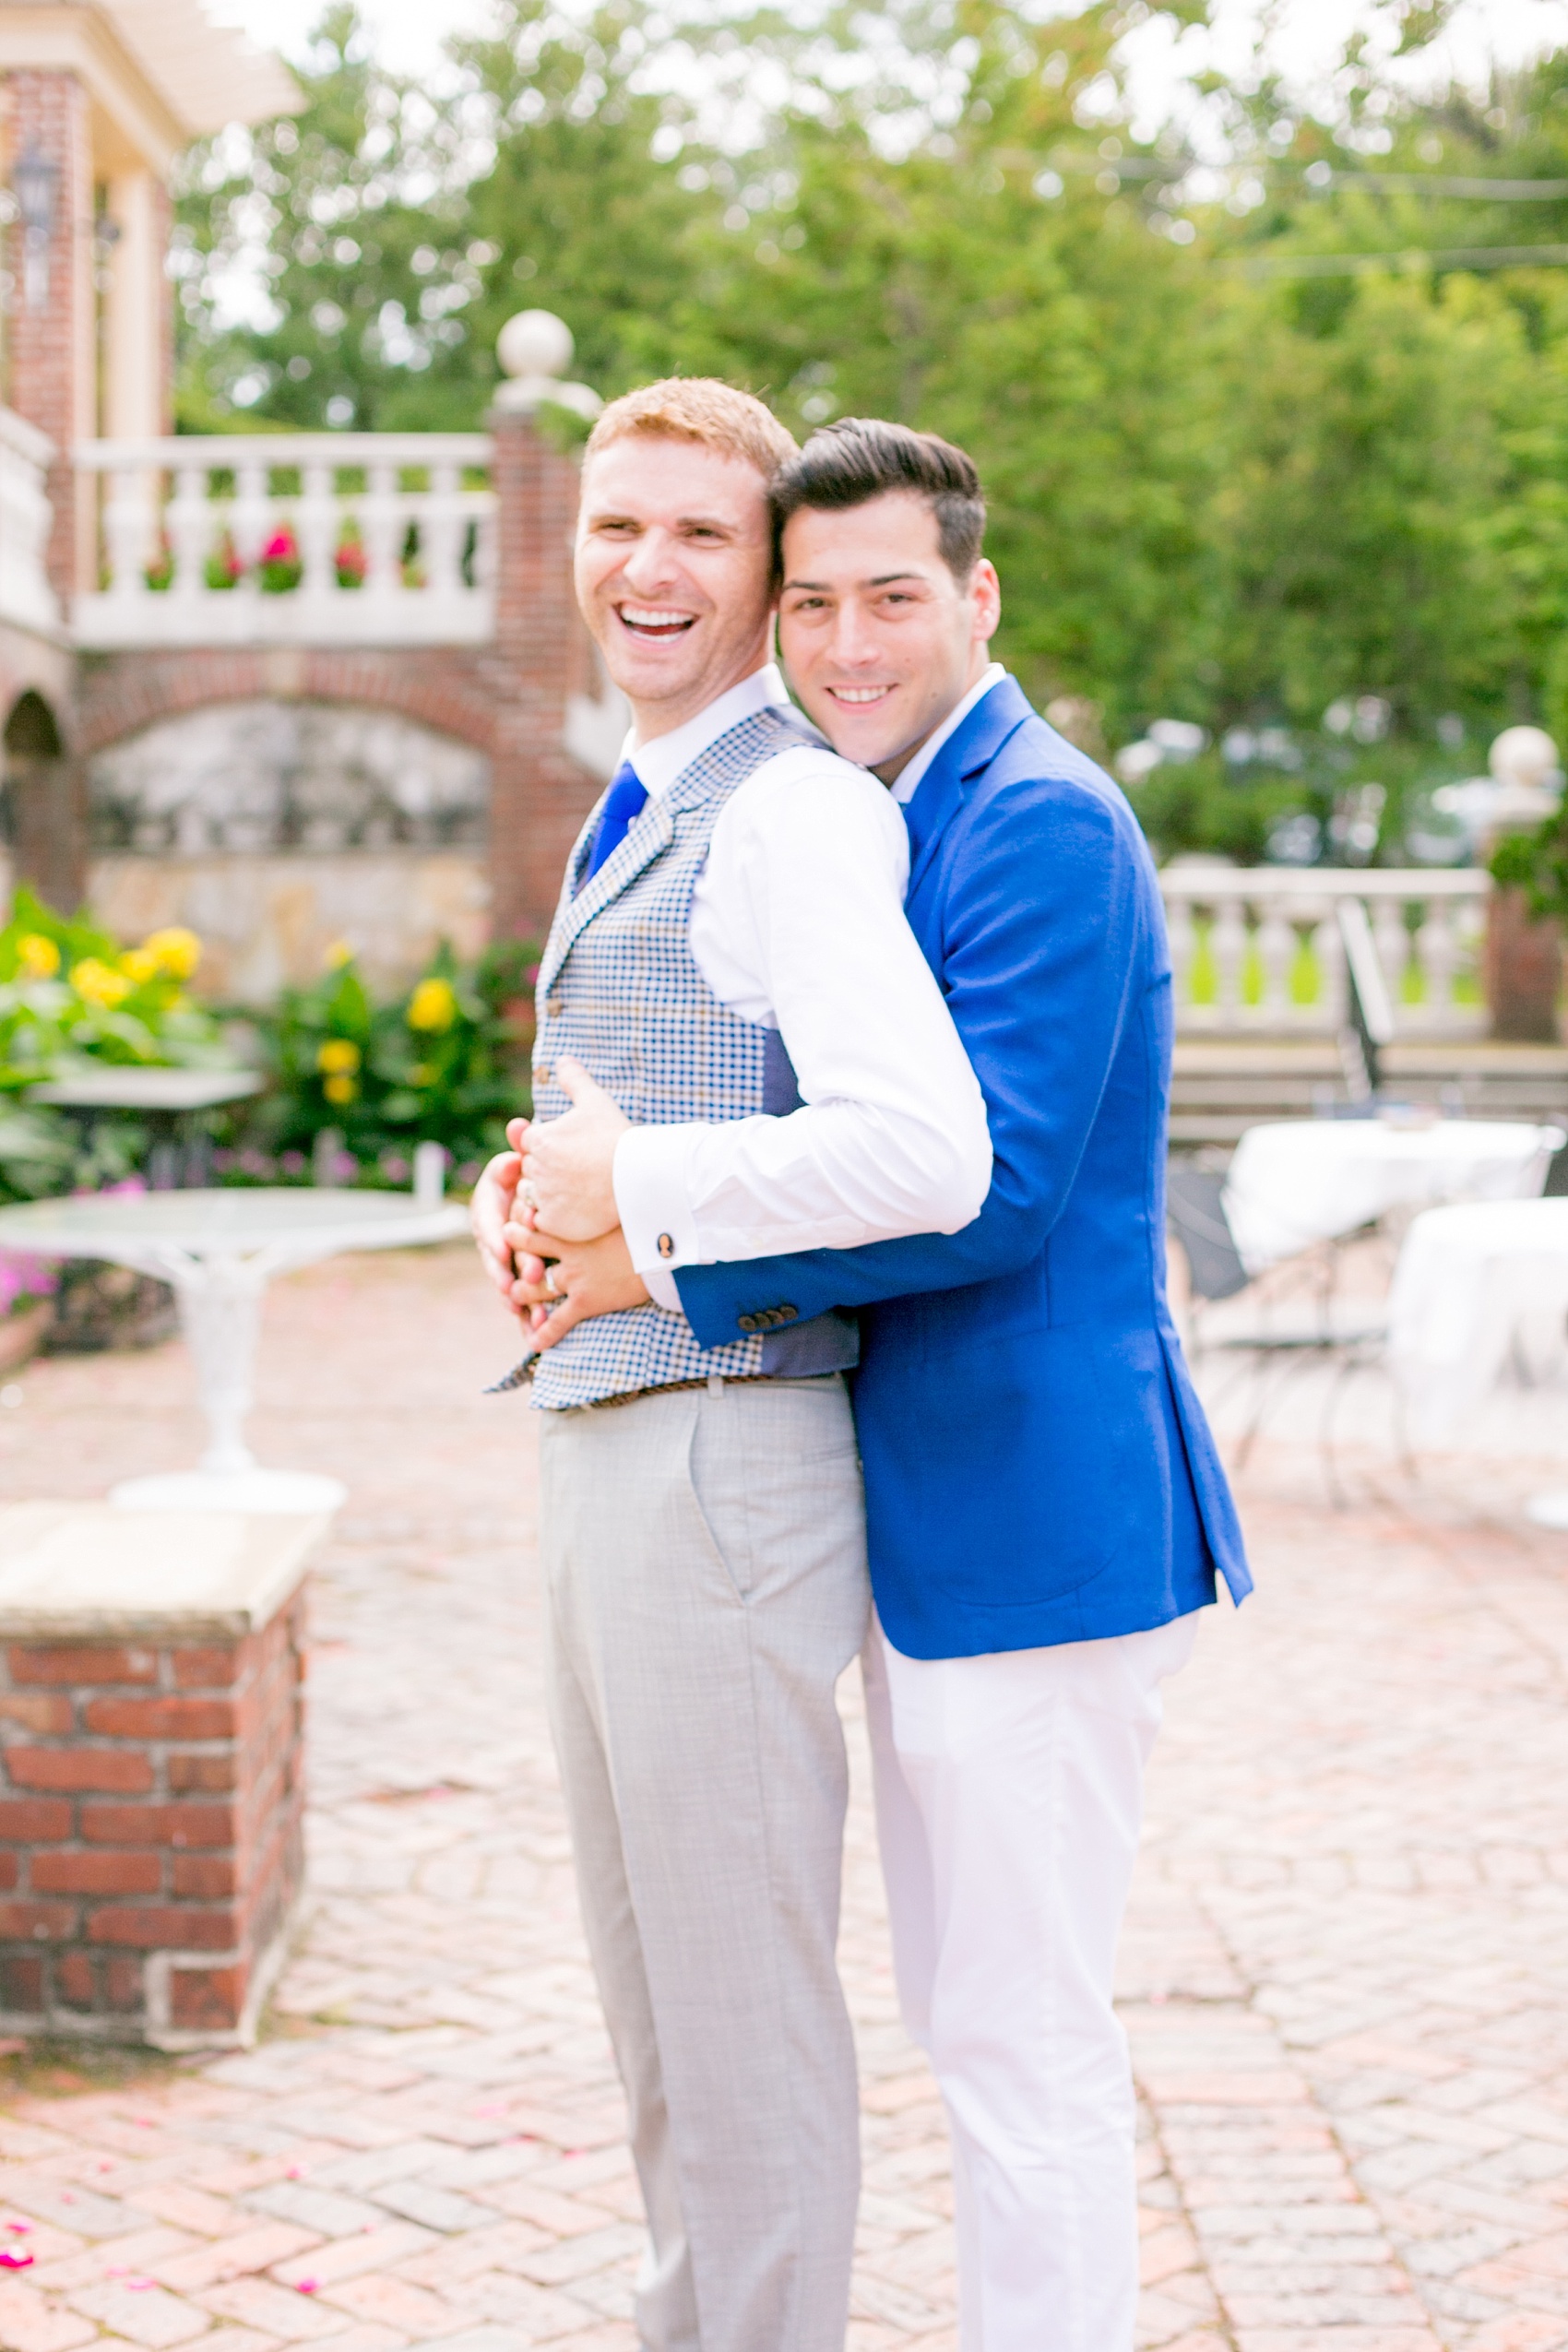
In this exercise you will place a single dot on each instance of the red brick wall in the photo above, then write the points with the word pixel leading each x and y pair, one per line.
pixel 151 1830
pixel 539 795
pixel 50 109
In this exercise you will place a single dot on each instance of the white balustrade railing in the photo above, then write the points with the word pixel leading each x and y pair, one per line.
pixel 377 539
pixel 26 598
pixel 1257 949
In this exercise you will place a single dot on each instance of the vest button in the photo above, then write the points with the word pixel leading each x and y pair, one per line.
pixel 786 1314
pixel 555 1006
pixel 747 1323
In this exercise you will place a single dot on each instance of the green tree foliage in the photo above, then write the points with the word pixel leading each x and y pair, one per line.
pixel 1235 475
pixel 399 235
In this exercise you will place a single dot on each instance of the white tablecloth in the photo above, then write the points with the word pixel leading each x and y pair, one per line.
pixel 1472 1285
pixel 1299 1180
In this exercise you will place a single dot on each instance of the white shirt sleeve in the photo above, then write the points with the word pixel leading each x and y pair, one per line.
pixel 798 923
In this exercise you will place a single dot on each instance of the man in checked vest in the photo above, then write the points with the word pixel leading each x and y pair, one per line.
pixel 703 1521
pixel 1046 1511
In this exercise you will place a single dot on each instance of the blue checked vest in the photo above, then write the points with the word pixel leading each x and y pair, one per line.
pixel 620 989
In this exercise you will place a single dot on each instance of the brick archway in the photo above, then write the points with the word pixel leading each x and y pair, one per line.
pixel 450 689
pixel 42 786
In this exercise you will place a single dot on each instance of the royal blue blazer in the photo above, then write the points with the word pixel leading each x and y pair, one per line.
pixel 1038 1466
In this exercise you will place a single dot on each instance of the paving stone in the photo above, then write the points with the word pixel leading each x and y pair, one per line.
pixel 293 2318
pixel 433 2207
pixel 231 2256
pixel 393 2302
pixel 78 2210
pixel 509 2339
pixel 1340 1974
pixel 348 2257
pixel 35 2323
pixel 148 2316
pixel 517 2302
pixel 319 2211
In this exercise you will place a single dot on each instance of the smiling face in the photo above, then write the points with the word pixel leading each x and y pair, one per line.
pixel 672 573
pixel 879 639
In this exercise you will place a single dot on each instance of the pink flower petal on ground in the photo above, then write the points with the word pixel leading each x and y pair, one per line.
pixel 140 2286
pixel 13 2258
pixel 19 2228
pixel 307 2287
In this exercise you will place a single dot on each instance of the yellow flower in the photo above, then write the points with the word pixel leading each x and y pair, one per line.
pixel 337 954
pixel 433 1005
pixel 177 951
pixel 340 1055
pixel 39 957
pixel 339 1090
pixel 93 980
pixel 140 965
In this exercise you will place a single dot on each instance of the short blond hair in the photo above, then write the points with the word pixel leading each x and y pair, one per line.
pixel 699 408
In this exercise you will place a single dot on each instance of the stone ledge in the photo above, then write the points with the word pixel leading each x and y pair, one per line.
pixel 1198 1054
pixel 77 1572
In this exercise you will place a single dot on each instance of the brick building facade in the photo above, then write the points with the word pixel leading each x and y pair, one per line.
pixel 95 103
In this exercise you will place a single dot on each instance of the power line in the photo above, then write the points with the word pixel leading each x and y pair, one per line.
pixel 1349 264
pixel 1320 179
pixel 1433 183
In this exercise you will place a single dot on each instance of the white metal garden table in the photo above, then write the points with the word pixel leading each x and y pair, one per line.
pixel 171 1101
pixel 219 1249
pixel 1475 1286
pixel 1295 1181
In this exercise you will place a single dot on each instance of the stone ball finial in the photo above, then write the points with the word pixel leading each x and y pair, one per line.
pixel 535 342
pixel 535 350
pixel 1527 757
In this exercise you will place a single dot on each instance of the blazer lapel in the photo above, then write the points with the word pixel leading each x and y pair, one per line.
pixel 970 747
pixel 652 832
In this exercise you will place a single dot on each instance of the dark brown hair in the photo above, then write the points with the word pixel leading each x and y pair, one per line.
pixel 859 458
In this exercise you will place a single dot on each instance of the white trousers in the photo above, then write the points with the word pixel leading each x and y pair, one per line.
pixel 1009 1797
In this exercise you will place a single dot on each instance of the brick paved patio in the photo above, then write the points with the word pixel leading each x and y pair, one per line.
pixel 1344 1977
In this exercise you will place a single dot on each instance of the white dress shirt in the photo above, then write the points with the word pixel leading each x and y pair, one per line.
pixel 797 924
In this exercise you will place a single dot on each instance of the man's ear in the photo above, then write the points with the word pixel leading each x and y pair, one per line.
pixel 986 590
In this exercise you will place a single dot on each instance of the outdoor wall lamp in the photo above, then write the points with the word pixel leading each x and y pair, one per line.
pixel 34 182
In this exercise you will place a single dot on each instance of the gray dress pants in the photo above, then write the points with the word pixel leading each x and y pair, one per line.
pixel 706 1585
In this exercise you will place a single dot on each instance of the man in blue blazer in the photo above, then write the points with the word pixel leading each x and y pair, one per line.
pixel 1046 1510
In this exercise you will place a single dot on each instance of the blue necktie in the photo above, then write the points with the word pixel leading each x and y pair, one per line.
pixel 623 803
